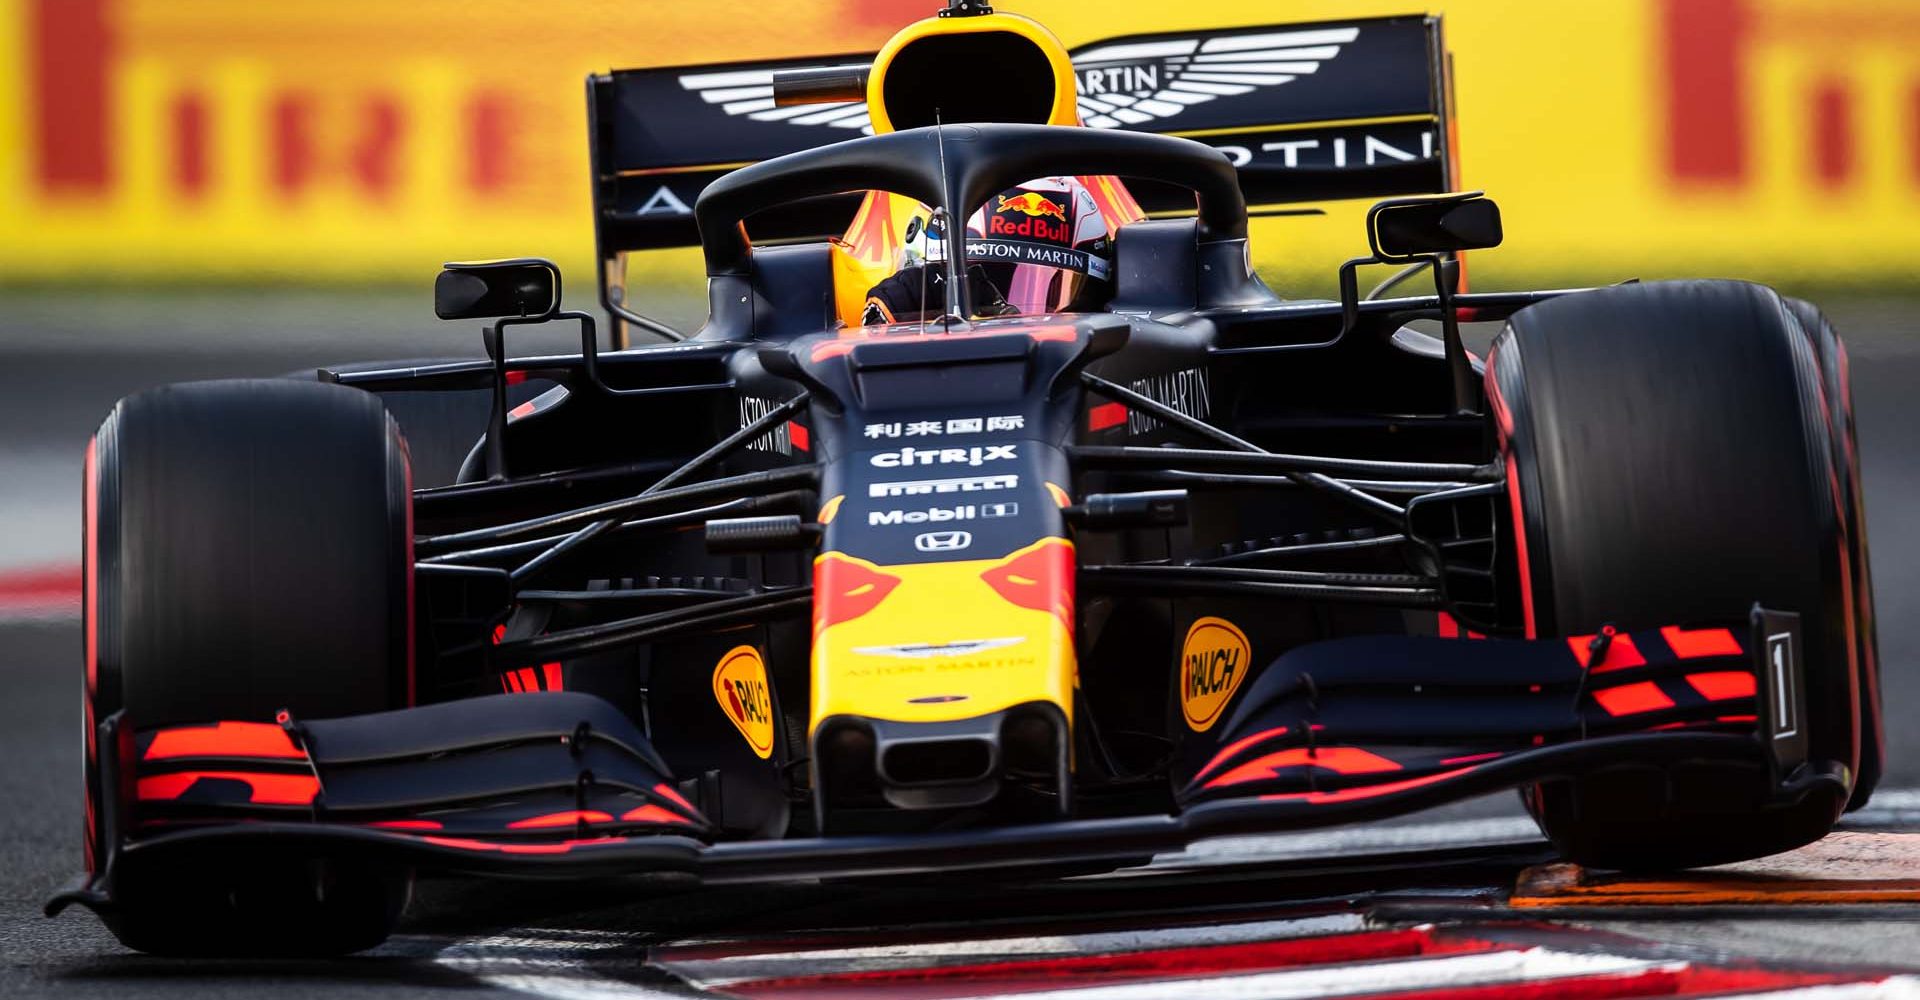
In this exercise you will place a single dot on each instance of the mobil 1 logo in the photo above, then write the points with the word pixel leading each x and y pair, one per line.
pixel 942 515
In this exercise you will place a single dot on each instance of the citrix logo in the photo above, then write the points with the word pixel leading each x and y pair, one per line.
pixel 976 455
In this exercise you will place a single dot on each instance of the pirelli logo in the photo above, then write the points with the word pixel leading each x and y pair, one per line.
pixel 929 487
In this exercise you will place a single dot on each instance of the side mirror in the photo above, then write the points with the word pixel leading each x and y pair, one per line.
pixel 1404 228
pixel 525 287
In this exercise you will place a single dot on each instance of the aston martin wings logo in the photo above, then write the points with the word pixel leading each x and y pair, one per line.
pixel 750 93
pixel 1133 83
pixel 1121 85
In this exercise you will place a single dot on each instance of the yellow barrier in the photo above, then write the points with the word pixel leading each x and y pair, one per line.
pixel 354 139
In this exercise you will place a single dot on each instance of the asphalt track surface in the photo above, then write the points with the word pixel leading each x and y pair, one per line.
pixel 1397 909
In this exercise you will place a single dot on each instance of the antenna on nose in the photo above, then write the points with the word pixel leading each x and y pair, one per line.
pixel 965 8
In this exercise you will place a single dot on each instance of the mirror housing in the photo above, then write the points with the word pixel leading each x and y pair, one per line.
pixel 1403 229
pixel 526 287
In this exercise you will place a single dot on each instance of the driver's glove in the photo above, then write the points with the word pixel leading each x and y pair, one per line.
pixel 905 295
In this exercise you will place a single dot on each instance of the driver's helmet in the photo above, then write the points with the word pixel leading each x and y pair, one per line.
pixel 1044 246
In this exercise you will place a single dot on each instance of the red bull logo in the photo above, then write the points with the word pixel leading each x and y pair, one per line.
pixel 1032 203
pixel 1027 215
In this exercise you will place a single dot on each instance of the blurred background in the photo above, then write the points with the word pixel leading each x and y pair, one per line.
pixel 196 188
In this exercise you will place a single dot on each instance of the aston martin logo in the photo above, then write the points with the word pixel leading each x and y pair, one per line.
pixel 924 650
pixel 1134 83
pixel 1123 85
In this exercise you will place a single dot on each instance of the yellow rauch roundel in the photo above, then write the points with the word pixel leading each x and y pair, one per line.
pixel 740 685
pixel 1213 661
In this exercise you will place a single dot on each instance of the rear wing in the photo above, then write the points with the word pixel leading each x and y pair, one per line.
pixel 1307 112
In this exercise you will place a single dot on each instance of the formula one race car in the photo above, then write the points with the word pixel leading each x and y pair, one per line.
pixel 1019 527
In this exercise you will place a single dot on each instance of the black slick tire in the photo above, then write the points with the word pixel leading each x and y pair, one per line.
pixel 1671 462
pixel 247 550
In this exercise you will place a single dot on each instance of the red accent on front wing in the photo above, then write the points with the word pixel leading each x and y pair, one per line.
pixel 1236 746
pixel 672 795
pixel 1720 685
pixel 1473 758
pixel 1339 760
pixel 264 789
pixel 560 847
pixel 1365 791
pixel 653 814
pixel 1689 644
pixel 405 824
pixel 224 739
pixel 1632 699
pixel 1621 652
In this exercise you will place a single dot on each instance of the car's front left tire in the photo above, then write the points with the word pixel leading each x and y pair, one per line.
pixel 247 550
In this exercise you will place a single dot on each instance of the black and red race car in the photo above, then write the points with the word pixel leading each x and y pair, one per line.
pixel 794 596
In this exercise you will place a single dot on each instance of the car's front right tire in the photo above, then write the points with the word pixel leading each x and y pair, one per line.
pixel 1670 462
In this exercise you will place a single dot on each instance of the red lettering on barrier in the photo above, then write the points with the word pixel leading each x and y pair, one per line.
pixel 1830 110
pixel 489 157
pixel 375 158
pixel 292 154
pixel 69 44
pixel 1706 101
pixel 190 144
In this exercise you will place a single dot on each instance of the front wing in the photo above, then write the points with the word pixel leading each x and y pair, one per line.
pixel 563 785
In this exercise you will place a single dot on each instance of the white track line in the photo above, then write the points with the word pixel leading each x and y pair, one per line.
pixel 1530 965
pixel 558 965
pixel 1498 831
pixel 719 972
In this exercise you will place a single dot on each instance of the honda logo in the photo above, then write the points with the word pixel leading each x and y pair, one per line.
pixel 942 541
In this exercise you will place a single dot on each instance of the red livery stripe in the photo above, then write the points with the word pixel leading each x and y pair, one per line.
pixel 224 739
pixel 1340 760
pixel 653 814
pixel 1720 685
pixel 264 789
pixel 1690 644
pixel 1631 699
pixel 1621 652
pixel 1106 415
